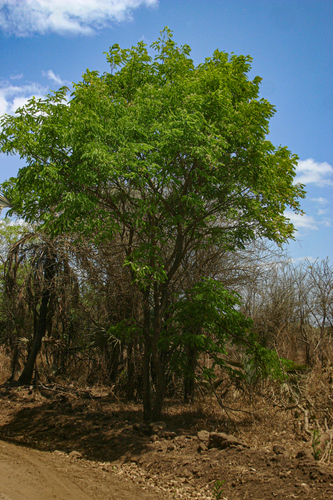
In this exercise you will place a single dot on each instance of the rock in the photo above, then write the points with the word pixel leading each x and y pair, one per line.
pixel 75 454
pixel 324 475
pixel 220 440
pixel 60 453
pixel 143 428
pixel 305 487
pixel 279 450
pixel 203 436
pixel 304 454
pixel 314 474
pixel 157 427
pixel 154 438
pixel 180 441
pixel 186 473
pixel 168 435
pixel 285 474
pixel 202 447
pixel 138 427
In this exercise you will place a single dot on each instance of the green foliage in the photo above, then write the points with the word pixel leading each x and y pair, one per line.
pixel 316 450
pixel 164 159
pixel 217 489
pixel 267 364
pixel 10 233
pixel 205 318
pixel 115 334
pixel 164 150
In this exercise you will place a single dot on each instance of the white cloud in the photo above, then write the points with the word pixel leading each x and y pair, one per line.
pixel 326 222
pixel 55 78
pixel 301 221
pixel 16 77
pixel 24 17
pixel 302 259
pixel 13 96
pixel 312 172
pixel 322 212
pixel 322 201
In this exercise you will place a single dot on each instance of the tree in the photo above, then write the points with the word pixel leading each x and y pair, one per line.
pixel 170 156
pixel 34 287
pixel 317 297
pixel 14 315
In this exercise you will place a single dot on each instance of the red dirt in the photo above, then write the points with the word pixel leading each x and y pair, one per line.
pixel 76 445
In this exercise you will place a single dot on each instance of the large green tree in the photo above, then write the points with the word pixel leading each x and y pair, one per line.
pixel 169 156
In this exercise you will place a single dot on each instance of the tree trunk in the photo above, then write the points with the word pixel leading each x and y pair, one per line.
pixel 189 374
pixel 147 408
pixel 26 375
pixel 160 391
pixel 157 357
pixel 151 346
pixel 14 361
pixel 130 372
pixel 113 362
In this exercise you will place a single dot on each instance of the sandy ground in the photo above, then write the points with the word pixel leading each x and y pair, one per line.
pixel 28 474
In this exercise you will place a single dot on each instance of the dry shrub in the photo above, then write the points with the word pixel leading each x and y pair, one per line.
pixel 308 399
pixel 4 365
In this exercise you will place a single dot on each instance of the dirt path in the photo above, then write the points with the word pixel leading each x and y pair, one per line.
pixel 119 458
pixel 28 474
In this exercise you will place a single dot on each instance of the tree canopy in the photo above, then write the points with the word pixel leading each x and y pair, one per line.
pixel 162 155
pixel 157 145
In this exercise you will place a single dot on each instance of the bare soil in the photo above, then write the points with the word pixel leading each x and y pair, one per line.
pixel 68 444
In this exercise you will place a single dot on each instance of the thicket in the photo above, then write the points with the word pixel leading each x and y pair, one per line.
pixel 69 312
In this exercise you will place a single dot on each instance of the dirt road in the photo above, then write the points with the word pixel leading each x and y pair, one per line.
pixel 28 474
pixel 42 431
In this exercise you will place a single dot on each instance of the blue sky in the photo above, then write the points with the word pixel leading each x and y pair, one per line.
pixel 48 43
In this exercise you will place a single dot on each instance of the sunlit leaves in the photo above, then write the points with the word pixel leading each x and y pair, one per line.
pixel 166 153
